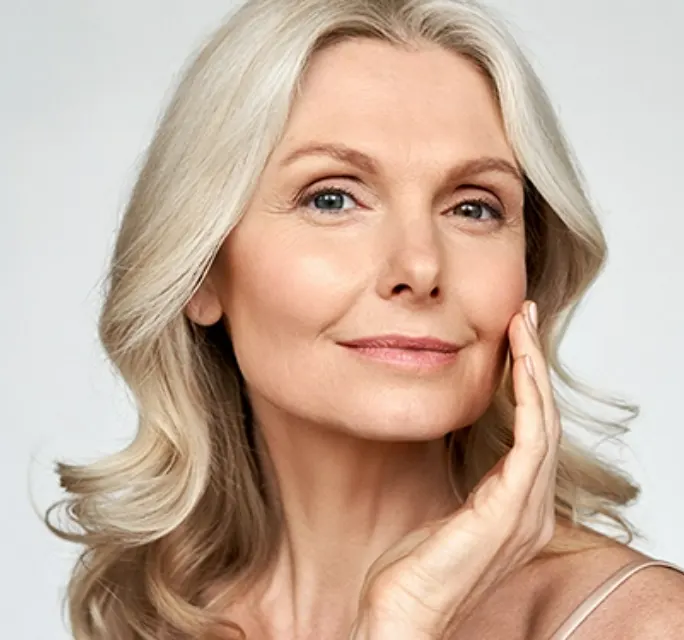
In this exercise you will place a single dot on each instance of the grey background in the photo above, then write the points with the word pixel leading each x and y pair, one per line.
pixel 82 82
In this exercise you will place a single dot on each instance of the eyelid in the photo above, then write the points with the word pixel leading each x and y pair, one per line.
pixel 491 192
pixel 328 181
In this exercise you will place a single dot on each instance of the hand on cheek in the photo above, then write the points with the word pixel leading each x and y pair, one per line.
pixel 437 575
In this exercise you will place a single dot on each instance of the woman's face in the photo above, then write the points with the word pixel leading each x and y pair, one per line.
pixel 378 215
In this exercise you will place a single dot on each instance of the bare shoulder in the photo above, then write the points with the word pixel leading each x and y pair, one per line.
pixel 653 606
pixel 649 605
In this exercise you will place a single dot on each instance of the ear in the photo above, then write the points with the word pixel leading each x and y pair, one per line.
pixel 204 308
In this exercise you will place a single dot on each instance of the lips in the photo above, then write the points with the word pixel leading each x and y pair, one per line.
pixel 403 342
pixel 414 355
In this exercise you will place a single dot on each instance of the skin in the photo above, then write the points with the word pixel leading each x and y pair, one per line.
pixel 356 444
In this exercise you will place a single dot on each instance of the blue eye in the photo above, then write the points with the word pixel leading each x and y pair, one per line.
pixel 479 205
pixel 329 200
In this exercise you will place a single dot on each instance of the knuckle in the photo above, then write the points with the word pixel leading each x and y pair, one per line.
pixel 379 592
pixel 426 582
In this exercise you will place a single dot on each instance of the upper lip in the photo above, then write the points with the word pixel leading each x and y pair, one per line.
pixel 395 341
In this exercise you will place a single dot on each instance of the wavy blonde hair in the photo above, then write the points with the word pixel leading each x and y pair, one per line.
pixel 183 512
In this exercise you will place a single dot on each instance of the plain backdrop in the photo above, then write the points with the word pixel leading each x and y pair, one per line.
pixel 82 84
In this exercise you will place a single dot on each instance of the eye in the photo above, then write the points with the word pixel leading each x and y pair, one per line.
pixel 328 199
pixel 479 209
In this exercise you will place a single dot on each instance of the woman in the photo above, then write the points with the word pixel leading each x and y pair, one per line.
pixel 337 292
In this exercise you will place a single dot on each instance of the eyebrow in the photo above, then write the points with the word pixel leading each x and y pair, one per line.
pixel 367 164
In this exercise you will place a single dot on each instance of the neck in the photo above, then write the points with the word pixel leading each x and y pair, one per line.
pixel 344 502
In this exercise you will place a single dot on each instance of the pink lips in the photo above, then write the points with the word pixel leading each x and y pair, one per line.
pixel 405 351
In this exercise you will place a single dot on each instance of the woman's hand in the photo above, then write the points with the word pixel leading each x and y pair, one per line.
pixel 434 577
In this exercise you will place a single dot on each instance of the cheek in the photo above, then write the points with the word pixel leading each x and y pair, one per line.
pixel 494 296
pixel 280 288
pixel 490 296
pixel 490 279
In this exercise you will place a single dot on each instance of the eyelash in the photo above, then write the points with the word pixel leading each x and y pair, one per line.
pixel 308 197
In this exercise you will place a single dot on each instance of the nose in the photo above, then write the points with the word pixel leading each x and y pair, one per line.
pixel 412 261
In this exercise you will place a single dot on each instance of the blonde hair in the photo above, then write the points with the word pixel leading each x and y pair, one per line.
pixel 183 511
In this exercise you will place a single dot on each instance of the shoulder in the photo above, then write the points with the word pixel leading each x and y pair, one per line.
pixel 651 605
pixel 648 605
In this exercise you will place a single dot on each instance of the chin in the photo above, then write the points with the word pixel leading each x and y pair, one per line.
pixel 404 421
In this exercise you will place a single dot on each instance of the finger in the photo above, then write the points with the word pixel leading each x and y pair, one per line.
pixel 525 460
pixel 523 339
pixel 526 338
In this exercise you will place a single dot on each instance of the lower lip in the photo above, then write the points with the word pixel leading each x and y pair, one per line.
pixel 412 359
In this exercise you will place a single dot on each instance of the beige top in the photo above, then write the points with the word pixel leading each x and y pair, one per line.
pixel 596 597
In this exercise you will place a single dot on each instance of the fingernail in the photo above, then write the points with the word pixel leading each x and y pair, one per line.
pixel 532 315
pixel 529 365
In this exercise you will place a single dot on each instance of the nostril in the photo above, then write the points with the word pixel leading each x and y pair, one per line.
pixel 435 292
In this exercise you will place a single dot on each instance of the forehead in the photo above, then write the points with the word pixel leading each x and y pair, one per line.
pixel 388 99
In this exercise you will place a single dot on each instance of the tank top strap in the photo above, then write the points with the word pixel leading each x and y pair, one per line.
pixel 596 597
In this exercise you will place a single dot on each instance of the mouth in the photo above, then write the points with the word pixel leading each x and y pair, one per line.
pixel 406 352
